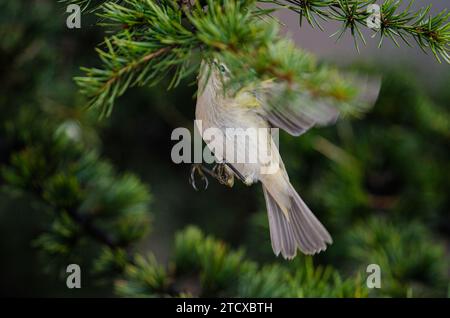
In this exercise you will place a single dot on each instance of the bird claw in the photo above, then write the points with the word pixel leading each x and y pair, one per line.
pixel 220 171
pixel 223 174
pixel 197 169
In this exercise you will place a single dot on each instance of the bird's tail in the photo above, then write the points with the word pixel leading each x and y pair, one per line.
pixel 299 229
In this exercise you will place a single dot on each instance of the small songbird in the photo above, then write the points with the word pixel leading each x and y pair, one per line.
pixel 292 224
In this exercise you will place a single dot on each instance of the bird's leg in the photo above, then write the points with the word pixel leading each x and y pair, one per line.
pixel 223 174
pixel 197 168
pixel 236 172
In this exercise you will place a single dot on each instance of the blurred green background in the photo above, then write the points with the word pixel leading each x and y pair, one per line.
pixel 379 183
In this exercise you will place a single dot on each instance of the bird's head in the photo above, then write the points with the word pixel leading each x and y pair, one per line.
pixel 214 75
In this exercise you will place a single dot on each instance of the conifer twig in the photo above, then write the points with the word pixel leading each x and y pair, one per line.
pixel 431 33
pixel 154 39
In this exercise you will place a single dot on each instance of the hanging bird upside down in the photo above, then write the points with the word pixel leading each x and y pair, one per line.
pixel 292 224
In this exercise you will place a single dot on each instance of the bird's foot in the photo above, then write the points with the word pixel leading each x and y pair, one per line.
pixel 197 168
pixel 223 174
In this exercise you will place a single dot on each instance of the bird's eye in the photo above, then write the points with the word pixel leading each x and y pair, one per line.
pixel 222 68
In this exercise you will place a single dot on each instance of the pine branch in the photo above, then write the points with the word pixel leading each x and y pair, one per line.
pixel 203 266
pixel 84 220
pixel 93 231
pixel 153 40
pixel 431 33
pixel 138 55
pixel 107 89
pixel 88 198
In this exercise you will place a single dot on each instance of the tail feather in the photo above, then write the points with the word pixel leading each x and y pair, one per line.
pixel 302 230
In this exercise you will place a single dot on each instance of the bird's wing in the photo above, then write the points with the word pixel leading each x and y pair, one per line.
pixel 298 110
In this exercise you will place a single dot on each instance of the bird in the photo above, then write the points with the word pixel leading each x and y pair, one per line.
pixel 292 225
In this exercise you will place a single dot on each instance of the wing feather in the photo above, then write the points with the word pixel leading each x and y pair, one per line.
pixel 296 110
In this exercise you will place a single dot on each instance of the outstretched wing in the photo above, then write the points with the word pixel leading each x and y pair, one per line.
pixel 296 110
